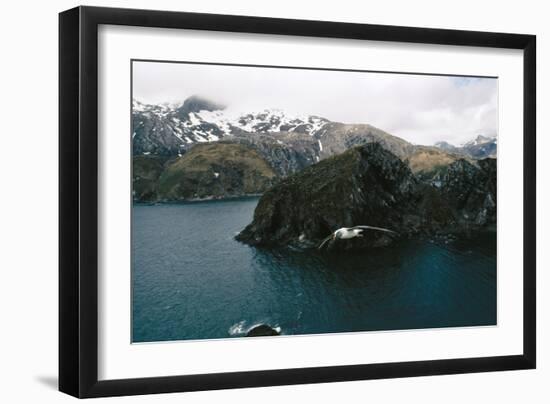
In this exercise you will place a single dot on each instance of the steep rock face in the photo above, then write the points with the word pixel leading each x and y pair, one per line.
pixel 471 191
pixel 287 153
pixel 460 198
pixel 365 185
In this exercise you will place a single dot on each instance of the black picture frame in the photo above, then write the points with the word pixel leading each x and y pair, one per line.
pixel 78 201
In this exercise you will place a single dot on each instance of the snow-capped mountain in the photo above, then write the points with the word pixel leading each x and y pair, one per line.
pixel 170 129
pixel 207 150
pixel 478 148
pixel 480 140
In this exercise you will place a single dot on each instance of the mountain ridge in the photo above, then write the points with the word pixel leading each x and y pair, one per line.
pixel 288 143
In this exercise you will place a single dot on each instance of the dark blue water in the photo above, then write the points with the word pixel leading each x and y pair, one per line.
pixel 192 280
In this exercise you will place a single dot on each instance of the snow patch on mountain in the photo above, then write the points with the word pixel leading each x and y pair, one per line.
pixel 210 125
pixel 267 120
pixel 479 140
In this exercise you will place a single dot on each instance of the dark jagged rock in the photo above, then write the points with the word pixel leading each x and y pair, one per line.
pixel 370 185
pixel 262 330
pixel 471 191
pixel 365 185
pixel 461 198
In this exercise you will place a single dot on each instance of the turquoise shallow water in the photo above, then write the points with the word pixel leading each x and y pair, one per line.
pixel 192 280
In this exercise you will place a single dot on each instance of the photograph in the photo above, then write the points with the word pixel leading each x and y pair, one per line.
pixel 279 201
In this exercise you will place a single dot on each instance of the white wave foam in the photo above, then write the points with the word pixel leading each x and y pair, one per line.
pixel 241 328
pixel 238 328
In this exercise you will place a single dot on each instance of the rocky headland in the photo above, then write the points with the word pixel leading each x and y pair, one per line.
pixel 369 185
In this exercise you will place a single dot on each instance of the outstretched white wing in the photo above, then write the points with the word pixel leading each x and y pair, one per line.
pixel 325 241
pixel 374 228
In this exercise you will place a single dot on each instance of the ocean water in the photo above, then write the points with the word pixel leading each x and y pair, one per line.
pixel 192 280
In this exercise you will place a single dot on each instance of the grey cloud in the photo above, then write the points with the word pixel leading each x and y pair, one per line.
pixel 422 109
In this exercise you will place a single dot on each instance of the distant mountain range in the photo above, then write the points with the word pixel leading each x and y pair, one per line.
pixel 479 148
pixel 200 149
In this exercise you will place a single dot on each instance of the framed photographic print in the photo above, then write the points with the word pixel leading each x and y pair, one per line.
pixel 251 201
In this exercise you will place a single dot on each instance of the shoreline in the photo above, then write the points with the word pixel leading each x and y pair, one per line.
pixel 197 200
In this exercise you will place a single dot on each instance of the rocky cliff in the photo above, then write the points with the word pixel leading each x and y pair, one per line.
pixel 364 185
pixel 369 185
pixel 472 191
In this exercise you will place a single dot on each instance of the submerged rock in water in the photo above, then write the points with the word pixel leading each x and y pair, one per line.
pixel 262 330
pixel 369 185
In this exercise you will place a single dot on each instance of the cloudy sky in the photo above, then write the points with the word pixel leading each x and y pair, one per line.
pixel 419 108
